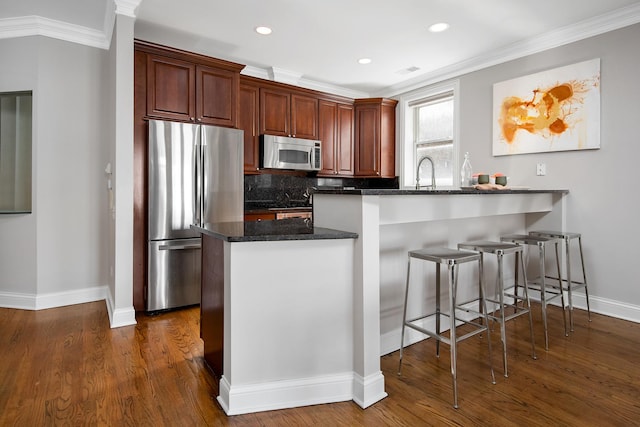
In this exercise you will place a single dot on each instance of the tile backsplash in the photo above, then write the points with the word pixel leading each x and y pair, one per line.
pixel 282 191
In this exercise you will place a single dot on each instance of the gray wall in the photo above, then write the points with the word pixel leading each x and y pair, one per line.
pixel 18 71
pixel 603 197
pixel 56 255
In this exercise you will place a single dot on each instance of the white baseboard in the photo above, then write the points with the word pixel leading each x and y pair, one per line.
pixel 369 390
pixel 608 307
pixel 19 301
pixel 52 300
pixel 244 399
pixel 117 317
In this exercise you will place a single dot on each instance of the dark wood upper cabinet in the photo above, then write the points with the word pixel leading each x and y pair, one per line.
pixel 304 117
pixel 375 137
pixel 335 123
pixel 288 114
pixel 345 142
pixel 327 124
pixel 216 96
pixel 189 87
pixel 248 119
pixel 275 112
pixel 171 88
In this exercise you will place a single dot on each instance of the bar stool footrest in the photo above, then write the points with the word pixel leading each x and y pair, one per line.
pixel 518 310
pixel 574 283
pixel 479 328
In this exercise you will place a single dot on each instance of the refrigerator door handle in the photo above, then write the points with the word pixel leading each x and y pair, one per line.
pixel 197 179
pixel 178 247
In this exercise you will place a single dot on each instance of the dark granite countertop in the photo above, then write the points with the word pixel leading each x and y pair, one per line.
pixel 283 229
pixel 452 191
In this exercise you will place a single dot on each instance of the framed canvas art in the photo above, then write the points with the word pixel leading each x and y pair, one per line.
pixel 554 110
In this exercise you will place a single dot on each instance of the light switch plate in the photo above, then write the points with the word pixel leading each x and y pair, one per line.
pixel 541 169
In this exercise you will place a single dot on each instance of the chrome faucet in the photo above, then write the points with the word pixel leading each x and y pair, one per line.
pixel 433 173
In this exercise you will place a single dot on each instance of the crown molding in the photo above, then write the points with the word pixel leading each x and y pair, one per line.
pixel 258 72
pixel 615 20
pixel 268 74
pixel 127 7
pixel 34 25
pixel 38 26
pixel 284 76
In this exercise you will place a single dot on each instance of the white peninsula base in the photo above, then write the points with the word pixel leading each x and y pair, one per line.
pixel 277 314
pixel 392 222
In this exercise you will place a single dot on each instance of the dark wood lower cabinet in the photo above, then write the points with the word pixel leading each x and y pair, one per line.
pixel 212 304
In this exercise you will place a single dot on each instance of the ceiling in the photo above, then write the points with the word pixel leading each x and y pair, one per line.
pixel 316 43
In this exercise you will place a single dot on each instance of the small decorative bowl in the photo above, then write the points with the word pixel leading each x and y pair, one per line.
pixel 483 179
pixel 501 180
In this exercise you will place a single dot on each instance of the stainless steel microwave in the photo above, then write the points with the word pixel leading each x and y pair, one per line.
pixel 282 152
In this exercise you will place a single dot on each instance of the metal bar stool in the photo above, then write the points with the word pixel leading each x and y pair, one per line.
pixel 548 291
pixel 567 237
pixel 500 249
pixel 451 258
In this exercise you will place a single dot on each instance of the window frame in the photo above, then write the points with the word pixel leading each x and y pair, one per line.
pixel 406 150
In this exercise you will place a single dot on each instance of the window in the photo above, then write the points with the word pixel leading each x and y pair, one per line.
pixel 430 130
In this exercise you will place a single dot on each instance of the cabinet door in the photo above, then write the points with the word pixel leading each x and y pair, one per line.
pixel 304 117
pixel 388 139
pixel 344 140
pixel 216 91
pixel 327 128
pixel 335 131
pixel 367 161
pixel 274 112
pixel 248 122
pixel 170 88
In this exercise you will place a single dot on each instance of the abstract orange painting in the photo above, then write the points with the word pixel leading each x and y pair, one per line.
pixel 554 110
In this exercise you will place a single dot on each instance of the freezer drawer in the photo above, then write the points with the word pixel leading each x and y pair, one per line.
pixel 174 274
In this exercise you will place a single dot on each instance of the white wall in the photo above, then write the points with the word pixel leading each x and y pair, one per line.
pixel 603 199
pixel 55 256
pixel 121 309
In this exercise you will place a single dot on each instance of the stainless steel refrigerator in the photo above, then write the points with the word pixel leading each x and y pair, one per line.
pixel 195 176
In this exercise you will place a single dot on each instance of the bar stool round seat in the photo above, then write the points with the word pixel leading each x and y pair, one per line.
pixel 569 285
pixel 548 290
pixel 500 249
pixel 452 258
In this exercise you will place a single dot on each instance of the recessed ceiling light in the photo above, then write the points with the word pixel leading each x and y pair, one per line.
pixel 364 61
pixel 439 27
pixel 263 30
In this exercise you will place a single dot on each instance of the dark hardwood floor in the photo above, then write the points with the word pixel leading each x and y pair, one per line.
pixel 65 366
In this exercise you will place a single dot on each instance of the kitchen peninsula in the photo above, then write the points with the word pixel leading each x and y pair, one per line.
pixel 297 313
pixel 392 222
pixel 276 313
